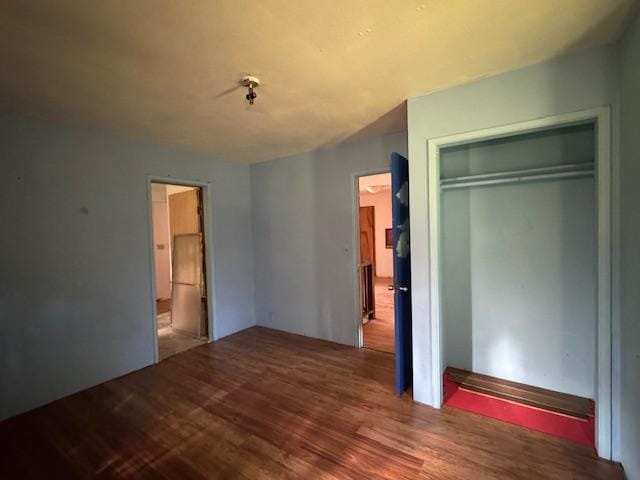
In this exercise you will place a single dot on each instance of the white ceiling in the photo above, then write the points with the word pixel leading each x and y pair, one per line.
pixel 160 191
pixel 332 71
pixel 380 180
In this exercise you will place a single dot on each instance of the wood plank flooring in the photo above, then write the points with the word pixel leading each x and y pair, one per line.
pixel 163 305
pixel 263 404
pixel 378 334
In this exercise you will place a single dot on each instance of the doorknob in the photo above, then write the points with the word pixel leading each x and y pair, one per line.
pixel 403 289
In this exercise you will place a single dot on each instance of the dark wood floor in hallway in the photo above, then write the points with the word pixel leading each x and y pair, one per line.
pixel 378 333
pixel 266 404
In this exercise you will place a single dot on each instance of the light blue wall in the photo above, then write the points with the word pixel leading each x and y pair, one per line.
pixel 630 239
pixel 303 237
pixel 75 286
pixel 518 264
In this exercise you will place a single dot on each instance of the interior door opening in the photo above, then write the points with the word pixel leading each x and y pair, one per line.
pixel 384 266
pixel 180 268
pixel 376 262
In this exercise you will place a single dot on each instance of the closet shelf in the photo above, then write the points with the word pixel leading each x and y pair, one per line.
pixel 576 170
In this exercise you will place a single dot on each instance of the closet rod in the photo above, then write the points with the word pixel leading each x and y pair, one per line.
pixel 521 179
pixel 520 173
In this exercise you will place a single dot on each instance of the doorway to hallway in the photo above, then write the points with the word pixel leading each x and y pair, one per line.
pixel 376 262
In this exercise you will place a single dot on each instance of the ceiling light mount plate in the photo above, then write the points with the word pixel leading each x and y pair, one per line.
pixel 250 81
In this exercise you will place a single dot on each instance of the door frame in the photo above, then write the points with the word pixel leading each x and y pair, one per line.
pixel 355 246
pixel 208 245
pixel 601 118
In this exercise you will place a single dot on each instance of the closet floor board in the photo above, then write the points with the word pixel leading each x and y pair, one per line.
pixel 525 394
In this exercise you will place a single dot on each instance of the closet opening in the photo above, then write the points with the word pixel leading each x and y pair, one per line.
pixel 376 262
pixel 518 278
pixel 179 252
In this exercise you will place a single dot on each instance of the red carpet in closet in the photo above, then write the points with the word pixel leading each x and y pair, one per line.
pixel 575 429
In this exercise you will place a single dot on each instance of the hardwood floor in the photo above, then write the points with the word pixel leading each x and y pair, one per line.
pixel 378 334
pixel 163 306
pixel 266 404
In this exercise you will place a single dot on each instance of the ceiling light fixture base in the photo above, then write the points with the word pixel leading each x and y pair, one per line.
pixel 251 83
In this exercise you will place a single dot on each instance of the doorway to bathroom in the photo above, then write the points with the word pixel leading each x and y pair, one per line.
pixel 180 268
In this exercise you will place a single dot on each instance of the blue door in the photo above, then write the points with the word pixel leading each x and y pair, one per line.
pixel 401 270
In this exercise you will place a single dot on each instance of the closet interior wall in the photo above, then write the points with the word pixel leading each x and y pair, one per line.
pixel 519 261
